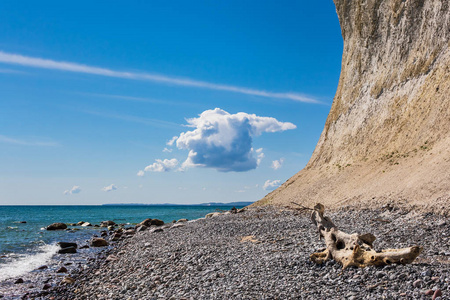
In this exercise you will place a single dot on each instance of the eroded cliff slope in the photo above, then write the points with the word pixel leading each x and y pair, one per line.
pixel 387 136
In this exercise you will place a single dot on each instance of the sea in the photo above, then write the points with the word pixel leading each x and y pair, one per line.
pixel 25 244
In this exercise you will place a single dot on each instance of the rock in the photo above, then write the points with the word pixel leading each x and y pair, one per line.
pixel 61 270
pixel 99 242
pixel 68 280
pixel 157 230
pixel 427 273
pixel 233 210
pixel 107 223
pixel 437 293
pixel 418 283
pixel 129 232
pixel 178 225
pixel 182 220
pixel 112 257
pixel 67 244
pixel 380 274
pixel 110 227
pixel 42 267
pixel 19 280
pixel 141 228
pixel 86 224
pixel 96 225
pixel 80 223
pixel 116 236
pixel 84 247
pixel 67 250
pixel 104 234
pixel 149 222
pixel 57 226
pixel 23 222
pixel 46 286
pixel 429 292
pixel 214 214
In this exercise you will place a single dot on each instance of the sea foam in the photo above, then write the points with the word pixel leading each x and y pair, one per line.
pixel 27 263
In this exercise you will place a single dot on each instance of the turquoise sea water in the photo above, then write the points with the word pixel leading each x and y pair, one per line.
pixel 26 245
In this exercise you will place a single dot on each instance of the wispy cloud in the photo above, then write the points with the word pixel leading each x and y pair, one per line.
pixel 17 59
pixel 31 142
pixel 10 71
pixel 276 164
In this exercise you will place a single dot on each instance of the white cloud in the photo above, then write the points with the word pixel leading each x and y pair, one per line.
pixel 35 62
pixel 167 150
pixel 30 142
pixel 270 185
pixel 109 188
pixel 276 164
pixel 74 190
pixel 140 173
pixel 223 141
pixel 171 141
pixel 162 165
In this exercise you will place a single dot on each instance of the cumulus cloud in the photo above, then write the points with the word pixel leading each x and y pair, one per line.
pixel 109 188
pixel 162 165
pixel 276 164
pixel 166 150
pixel 271 185
pixel 223 141
pixel 74 190
pixel 140 173
pixel 171 141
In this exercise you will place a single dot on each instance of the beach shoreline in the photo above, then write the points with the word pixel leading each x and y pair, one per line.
pixel 263 253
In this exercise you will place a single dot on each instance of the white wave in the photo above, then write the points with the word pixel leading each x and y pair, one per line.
pixel 27 263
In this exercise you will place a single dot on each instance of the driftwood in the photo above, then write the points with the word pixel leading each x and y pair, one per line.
pixel 354 249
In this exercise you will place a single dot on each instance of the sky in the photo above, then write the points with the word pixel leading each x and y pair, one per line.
pixel 161 101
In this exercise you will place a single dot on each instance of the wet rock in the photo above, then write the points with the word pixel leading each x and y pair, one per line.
pixel 19 280
pixel 46 286
pixel 23 222
pixel 116 236
pixel 67 250
pixel 107 223
pixel 57 226
pixel 62 270
pixel 42 267
pixel 182 220
pixel 86 224
pixel 67 244
pixel 99 242
pixel 84 247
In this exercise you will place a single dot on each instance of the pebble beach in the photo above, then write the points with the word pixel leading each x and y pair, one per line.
pixel 262 253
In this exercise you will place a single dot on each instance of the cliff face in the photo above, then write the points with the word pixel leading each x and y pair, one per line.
pixel 387 136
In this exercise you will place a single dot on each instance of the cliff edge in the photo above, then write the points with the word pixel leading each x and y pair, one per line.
pixel 387 136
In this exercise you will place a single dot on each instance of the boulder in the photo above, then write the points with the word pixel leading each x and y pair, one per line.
pixel 23 222
pixel 110 227
pixel 80 223
pixel 20 280
pixel 57 226
pixel 107 223
pixel 86 224
pixel 148 222
pixel 99 242
pixel 116 236
pixel 42 267
pixel 62 270
pixel 182 220
pixel 141 228
pixel 129 232
pixel 67 244
pixel 67 250
pixel 214 214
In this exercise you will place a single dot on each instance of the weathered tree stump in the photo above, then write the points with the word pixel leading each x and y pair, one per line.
pixel 354 249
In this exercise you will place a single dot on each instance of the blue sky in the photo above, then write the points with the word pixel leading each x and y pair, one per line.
pixel 161 101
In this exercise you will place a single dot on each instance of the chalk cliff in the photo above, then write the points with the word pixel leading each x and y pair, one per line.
pixel 387 136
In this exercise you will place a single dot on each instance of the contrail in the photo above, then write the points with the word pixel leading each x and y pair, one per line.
pixel 17 59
